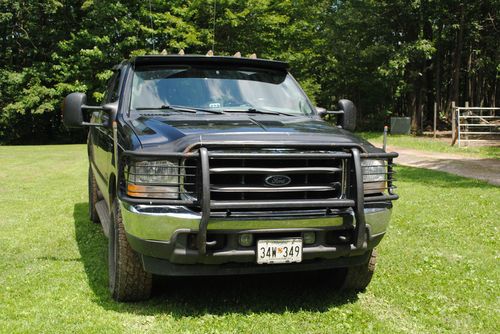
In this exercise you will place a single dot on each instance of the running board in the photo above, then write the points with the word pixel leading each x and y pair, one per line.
pixel 103 213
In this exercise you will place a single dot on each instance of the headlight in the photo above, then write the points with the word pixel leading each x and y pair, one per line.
pixel 374 175
pixel 153 179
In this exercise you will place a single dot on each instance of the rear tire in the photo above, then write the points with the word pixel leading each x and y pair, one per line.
pixel 127 279
pixel 93 197
pixel 357 278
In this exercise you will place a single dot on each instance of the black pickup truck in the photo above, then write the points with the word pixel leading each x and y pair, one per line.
pixel 204 165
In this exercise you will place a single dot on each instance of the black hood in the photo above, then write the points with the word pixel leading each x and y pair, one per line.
pixel 181 131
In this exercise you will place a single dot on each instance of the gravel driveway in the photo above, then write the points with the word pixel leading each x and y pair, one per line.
pixel 478 168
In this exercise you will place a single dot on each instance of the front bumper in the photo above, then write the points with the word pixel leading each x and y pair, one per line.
pixel 163 236
pixel 174 239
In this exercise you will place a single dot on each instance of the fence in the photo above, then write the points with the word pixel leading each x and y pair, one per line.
pixel 476 125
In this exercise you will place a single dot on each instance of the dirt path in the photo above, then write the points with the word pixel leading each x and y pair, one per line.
pixel 478 168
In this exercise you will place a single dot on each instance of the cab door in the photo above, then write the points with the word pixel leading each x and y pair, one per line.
pixel 102 138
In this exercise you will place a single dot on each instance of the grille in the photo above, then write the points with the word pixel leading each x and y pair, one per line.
pixel 238 179
pixel 234 178
pixel 245 178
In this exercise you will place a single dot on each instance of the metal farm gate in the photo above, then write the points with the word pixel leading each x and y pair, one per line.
pixel 477 125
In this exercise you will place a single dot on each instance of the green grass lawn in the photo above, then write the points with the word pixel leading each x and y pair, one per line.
pixel 431 145
pixel 438 267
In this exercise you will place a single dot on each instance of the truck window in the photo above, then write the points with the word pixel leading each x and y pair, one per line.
pixel 112 91
pixel 218 88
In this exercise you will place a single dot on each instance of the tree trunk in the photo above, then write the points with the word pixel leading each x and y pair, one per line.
pixel 449 87
pixel 480 83
pixel 470 95
pixel 428 107
pixel 458 57
pixel 437 65
pixel 494 94
pixel 414 106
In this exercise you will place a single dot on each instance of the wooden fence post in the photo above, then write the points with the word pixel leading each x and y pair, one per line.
pixel 435 117
pixel 453 124
pixel 466 127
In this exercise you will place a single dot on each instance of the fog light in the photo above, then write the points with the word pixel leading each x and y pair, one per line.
pixel 309 237
pixel 246 239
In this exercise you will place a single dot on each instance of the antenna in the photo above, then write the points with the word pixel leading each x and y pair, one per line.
pixel 213 34
pixel 151 24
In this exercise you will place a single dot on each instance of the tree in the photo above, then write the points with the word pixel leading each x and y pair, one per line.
pixel 390 57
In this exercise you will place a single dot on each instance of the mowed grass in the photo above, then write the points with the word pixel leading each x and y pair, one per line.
pixel 437 270
pixel 431 145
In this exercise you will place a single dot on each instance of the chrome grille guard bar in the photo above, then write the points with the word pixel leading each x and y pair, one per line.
pixel 356 200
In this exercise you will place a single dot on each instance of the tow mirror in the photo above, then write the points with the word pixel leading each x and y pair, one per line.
pixel 347 119
pixel 74 105
pixel 346 114
pixel 72 110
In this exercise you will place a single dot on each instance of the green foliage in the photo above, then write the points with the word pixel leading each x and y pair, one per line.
pixel 384 55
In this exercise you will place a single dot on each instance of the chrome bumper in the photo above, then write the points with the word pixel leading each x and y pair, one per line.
pixel 161 232
pixel 155 222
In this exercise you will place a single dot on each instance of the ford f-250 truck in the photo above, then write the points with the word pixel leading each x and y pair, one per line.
pixel 207 165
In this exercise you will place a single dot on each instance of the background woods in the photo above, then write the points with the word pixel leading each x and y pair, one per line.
pixel 389 57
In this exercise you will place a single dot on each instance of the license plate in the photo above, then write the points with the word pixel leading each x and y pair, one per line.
pixel 279 251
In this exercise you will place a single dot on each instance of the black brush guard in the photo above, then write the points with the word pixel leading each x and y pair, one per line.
pixel 356 201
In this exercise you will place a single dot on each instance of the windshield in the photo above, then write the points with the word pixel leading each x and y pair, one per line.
pixel 218 88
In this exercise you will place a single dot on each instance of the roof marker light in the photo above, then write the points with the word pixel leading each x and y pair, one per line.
pixel 237 54
pixel 210 53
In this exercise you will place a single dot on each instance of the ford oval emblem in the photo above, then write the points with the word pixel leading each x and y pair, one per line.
pixel 278 180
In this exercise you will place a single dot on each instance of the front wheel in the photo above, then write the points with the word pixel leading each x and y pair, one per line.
pixel 357 278
pixel 127 279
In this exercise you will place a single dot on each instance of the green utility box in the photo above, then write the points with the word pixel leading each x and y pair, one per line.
pixel 400 125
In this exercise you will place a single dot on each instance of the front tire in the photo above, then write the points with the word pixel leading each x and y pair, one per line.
pixel 357 278
pixel 127 279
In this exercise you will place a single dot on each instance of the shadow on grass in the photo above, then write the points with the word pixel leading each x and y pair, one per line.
pixel 436 178
pixel 195 296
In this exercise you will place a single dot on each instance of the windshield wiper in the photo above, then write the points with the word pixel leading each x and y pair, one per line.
pixel 258 111
pixel 180 108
